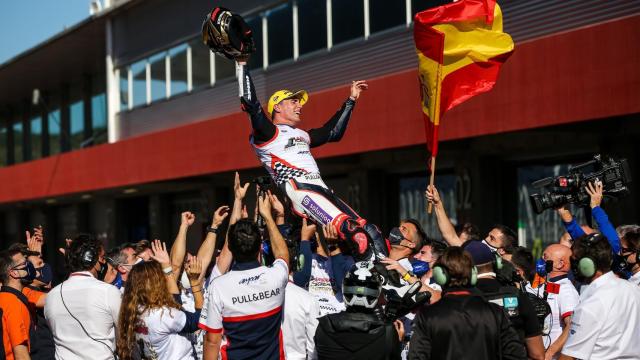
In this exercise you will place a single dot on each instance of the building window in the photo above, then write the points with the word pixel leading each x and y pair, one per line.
pixel 99 118
pixel 76 113
pixel 255 62
pixel 36 137
pixel 3 145
pixel 54 131
pixel 386 14
pixel 158 77
pixel 17 142
pixel 139 86
pixel 200 67
pixel 178 57
pixel 347 20
pixel 124 88
pixel 312 25
pixel 280 33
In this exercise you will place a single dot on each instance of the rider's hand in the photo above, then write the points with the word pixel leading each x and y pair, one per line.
pixel 357 87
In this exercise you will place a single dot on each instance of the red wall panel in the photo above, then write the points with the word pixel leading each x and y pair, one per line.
pixel 586 74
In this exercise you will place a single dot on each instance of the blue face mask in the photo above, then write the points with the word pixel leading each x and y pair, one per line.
pixel 117 282
pixel 420 267
pixel 30 270
pixel 46 275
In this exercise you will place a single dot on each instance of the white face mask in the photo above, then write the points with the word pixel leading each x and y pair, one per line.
pixel 184 281
pixel 492 248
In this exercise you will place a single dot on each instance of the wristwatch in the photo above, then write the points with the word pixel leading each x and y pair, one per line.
pixel 215 230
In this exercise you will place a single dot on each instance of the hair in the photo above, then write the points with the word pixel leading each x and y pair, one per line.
pixel 141 246
pixel 470 229
pixel 458 264
pixel 597 247
pixel 630 234
pixel 523 258
pixel 6 263
pixel 146 289
pixel 244 240
pixel 437 248
pixel 622 230
pixel 79 246
pixel 509 237
pixel 422 235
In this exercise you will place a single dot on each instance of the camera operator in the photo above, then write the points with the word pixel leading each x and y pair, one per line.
pixel 606 322
pixel 562 298
pixel 359 332
pixel 630 250
pixel 462 325
pixel 517 305
pixel 83 310
pixel 595 191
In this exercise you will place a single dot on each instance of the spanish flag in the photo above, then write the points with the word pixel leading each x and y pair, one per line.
pixel 460 49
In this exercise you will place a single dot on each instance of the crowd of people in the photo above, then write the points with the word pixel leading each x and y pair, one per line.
pixel 277 289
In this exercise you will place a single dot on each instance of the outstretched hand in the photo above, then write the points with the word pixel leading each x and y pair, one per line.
pixel 357 87
pixel 218 217
pixel 432 195
pixel 308 230
pixel 194 269
pixel 595 191
pixel 160 253
pixel 239 191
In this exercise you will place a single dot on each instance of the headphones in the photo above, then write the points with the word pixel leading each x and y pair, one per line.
pixel 88 255
pixel 442 277
pixel 586 265
pixel 497 262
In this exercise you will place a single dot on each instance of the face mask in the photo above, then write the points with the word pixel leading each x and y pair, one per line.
pixel 395 236
pixel 184 281
pixel 420 267
pixel 46 275
pixel 102 272
pixel 117 282
pixel 29 269
pixel 491 247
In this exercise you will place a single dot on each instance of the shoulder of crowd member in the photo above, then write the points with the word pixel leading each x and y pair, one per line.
pixel 532 326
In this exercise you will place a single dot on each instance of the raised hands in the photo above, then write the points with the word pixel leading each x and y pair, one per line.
pixel 308 230
pixel 219 215
pixel 330 232
pixel 187 218
pixel 595 191
pixel 35 241
pixel 194 269
pixel 264 206
pixel 160 253
pixel 239 191
pixel 432 195
pixel 276 205
pixel 357 87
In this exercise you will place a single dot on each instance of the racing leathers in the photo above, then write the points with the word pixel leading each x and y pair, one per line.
pixel 285 152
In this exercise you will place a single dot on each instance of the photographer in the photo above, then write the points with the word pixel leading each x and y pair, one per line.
pixel 606 322
pixel 462 325
pixel 358 332
pixel 517 305
pixel 595 191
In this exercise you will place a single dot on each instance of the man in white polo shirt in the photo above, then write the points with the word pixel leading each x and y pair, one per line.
pixel 562 297
pixel 606 322
pixel 82 312
pixel 247 301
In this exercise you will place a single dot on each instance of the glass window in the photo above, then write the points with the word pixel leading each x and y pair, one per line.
pixel 200 67
pixel 225 68
pixel 420 5
pixel 76 113
pixel 124 88
pixel 280 32
pixel 17 142
pixel 3 145
pixel 255 61
pixel 412 201
pixel 347 20
pixel 36 137
pixel 99 118
pixel 158 77
pixel 385 14
pixel 179 69
pixel 54 131
pixel 312 25
pixel 139 75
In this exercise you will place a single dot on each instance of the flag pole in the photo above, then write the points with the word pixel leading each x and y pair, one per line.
pixel 431 179
pixel 436 117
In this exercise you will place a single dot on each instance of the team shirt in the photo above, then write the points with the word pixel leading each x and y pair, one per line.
pixel 301 312
pixel 247 303
pixel 635 278
pixel 288 146
pixel 323 287
pixel 563 304
pixel 159 333
pixel 606 322
pixel 16 320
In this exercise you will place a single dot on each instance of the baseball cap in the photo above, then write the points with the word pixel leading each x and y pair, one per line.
pixel 280 95
pixel 23 248
pixel 479 252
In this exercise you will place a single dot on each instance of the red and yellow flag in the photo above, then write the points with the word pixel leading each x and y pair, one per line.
pixel 460 49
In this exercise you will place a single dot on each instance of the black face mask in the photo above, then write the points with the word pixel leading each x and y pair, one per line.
pixel 103 270
pixel 395 236
pixel 31 272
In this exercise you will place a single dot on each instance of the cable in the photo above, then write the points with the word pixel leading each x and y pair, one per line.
pixel 115 356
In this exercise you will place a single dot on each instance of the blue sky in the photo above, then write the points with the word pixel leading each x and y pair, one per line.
pixel 26 23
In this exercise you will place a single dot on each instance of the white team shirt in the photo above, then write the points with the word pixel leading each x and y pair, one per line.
pixel 562 304
pixel 635 278
pixel 301 312
pixel 96 305
pixel 606 322
pixel 160 335
pixel 247 302
pixel 323 287
pixel 288 146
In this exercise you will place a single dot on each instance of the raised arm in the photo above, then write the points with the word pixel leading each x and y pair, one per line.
pixel 334 129
pixel 278 246
pixel 263 128
pixel 206 251
pixel 161 255
pixel 595 191
pixel 179 247
pixel 444 223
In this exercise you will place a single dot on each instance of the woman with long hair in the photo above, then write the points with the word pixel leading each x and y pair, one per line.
pixel 151 315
